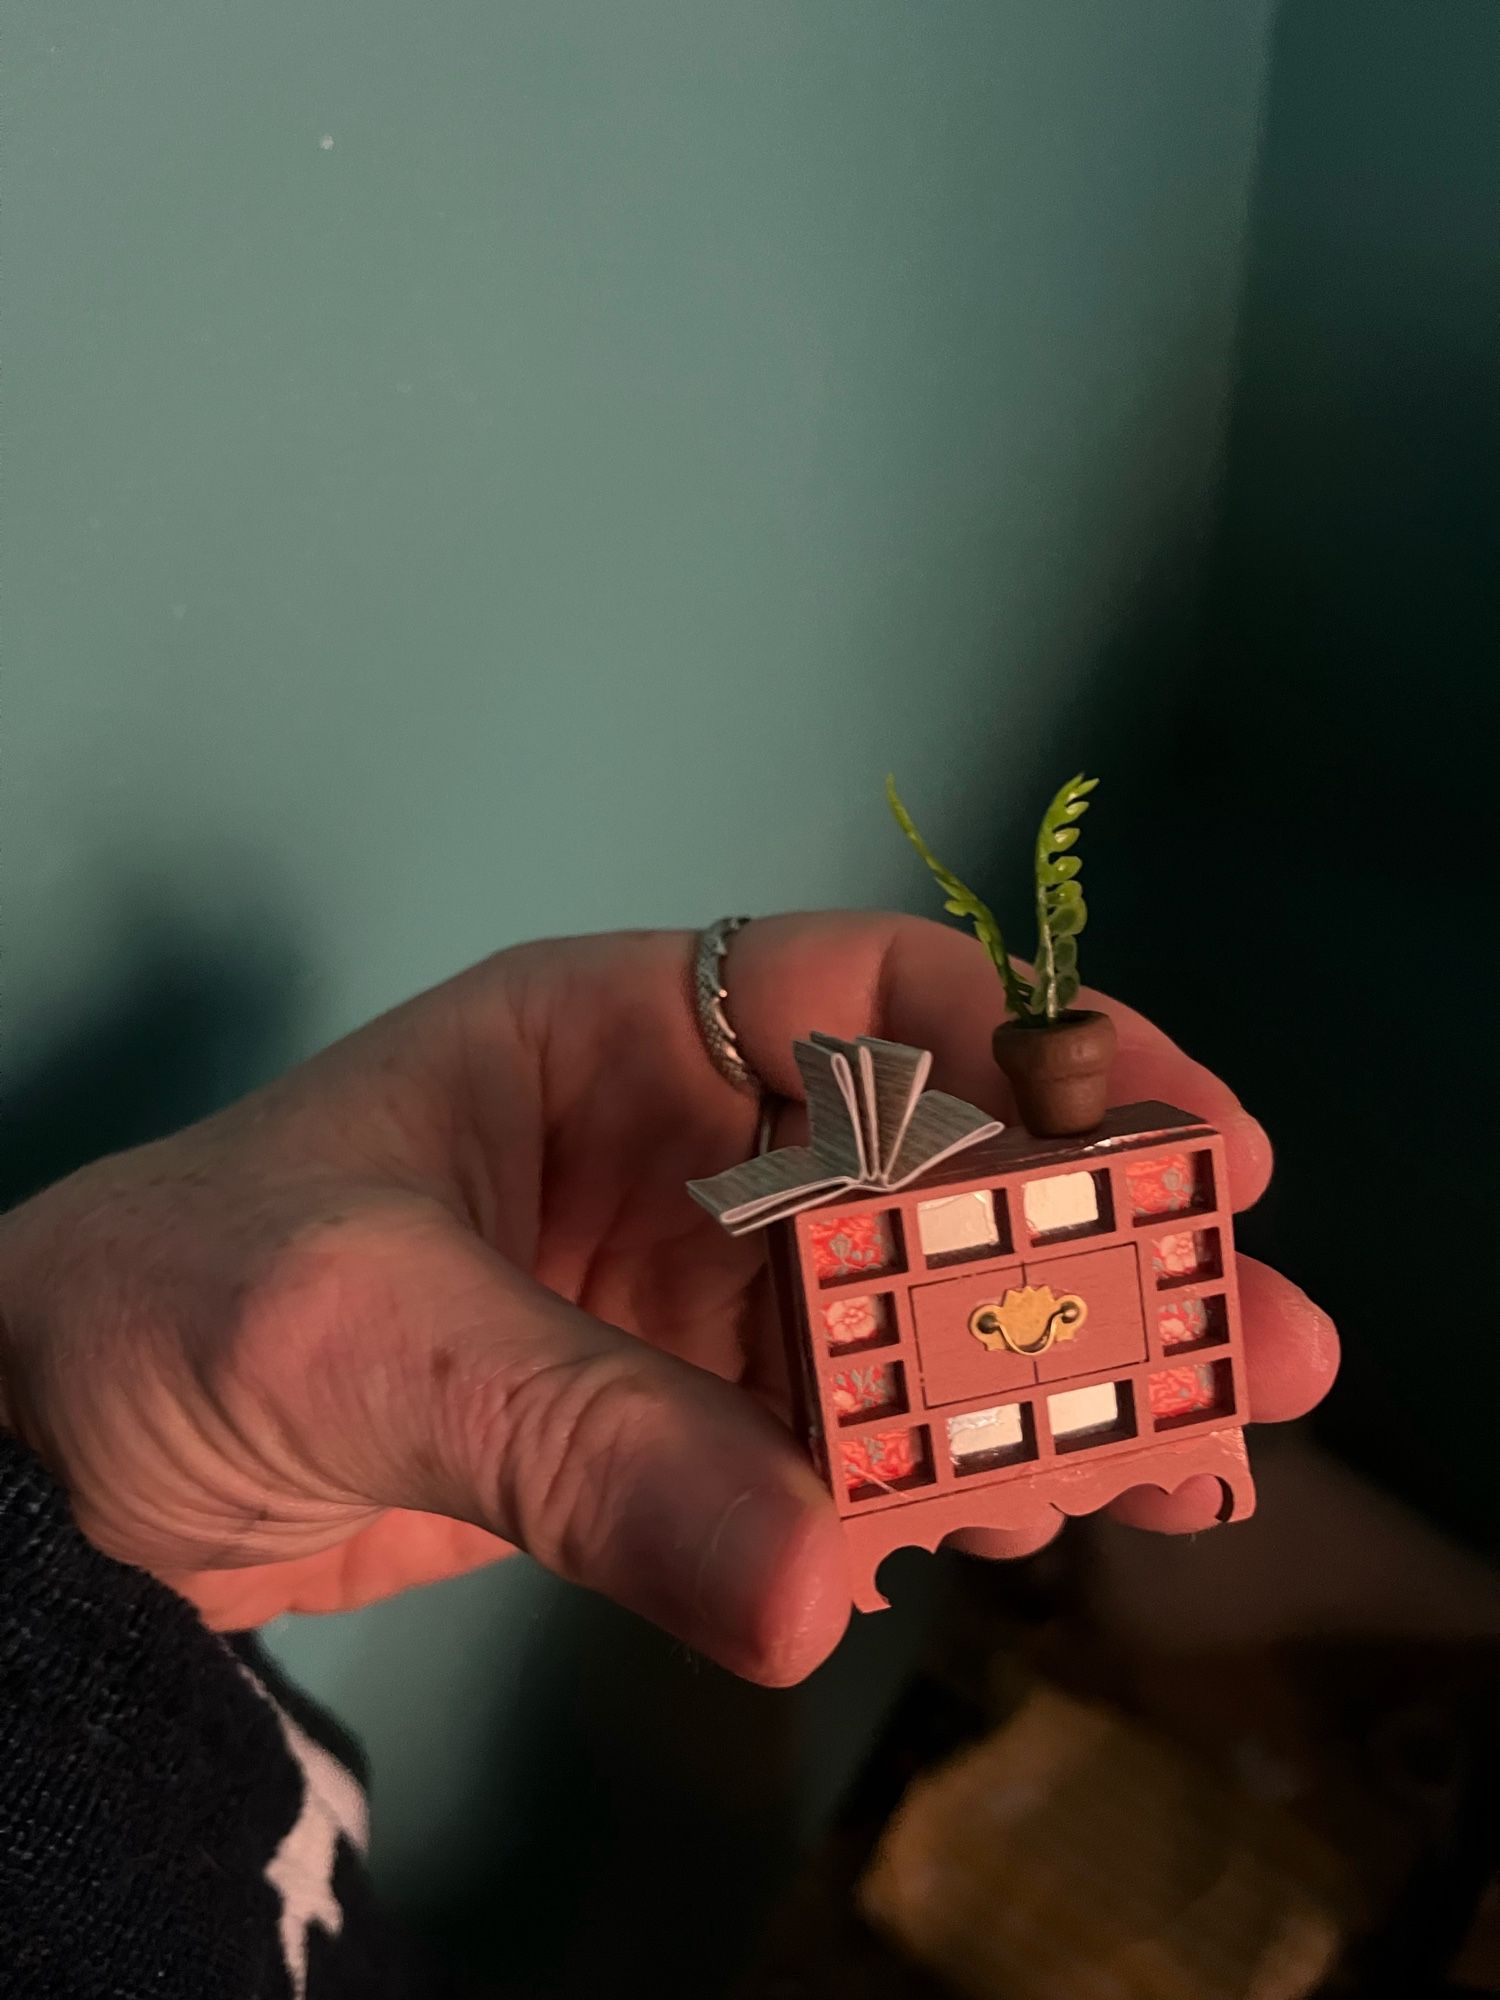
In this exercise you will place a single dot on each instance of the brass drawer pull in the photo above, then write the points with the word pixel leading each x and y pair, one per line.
pixel 1028 1321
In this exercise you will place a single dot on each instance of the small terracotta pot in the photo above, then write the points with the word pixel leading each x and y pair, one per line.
pixel 1059 1071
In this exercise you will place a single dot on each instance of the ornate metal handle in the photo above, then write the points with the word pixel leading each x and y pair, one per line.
pixel 1028 1320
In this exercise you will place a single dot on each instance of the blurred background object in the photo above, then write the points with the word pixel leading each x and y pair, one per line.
pixel 462 464
pixel 1259 1765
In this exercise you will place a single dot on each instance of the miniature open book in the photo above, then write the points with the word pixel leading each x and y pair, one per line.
pixel 871 1125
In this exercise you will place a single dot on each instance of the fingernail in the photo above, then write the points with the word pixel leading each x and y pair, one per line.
pixel 772 1593
pixel 1257 1161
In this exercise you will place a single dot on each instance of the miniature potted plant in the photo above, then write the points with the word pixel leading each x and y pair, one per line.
pixel 1057 1056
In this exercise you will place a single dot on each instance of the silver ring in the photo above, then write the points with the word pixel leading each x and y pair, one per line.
pixel 709 996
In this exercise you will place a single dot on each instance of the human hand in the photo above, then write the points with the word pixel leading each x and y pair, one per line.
pixel 440 1291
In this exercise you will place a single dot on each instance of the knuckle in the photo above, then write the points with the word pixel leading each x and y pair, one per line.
pixel 315 1347
pixel 322 1290
pixel 299 1290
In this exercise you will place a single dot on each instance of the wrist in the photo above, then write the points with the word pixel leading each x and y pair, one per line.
pixel 7 1343
pixel 5 1417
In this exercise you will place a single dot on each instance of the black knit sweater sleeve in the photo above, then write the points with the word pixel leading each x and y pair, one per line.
pixel 174 1821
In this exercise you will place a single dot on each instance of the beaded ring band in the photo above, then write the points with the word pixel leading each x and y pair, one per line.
pixel 709 997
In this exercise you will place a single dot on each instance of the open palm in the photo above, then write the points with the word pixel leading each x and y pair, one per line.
pixel 440 1292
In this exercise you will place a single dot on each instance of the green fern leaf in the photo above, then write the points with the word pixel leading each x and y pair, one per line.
pixel 1065 991
pixel 960 901
pixel 1061 912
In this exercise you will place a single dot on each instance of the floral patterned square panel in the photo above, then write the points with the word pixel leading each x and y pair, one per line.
pixel 1177 1393
pixel 885 1461
pixel 1184 1254
pixel 879 1385
pixel 1184 1322
pixel 1190 1323
pixel 863 1320
pixel 1168 1184
pixel 847 1246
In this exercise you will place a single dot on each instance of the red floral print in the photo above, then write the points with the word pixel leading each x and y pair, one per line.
pixel 1183 1322
pixel 1178 1391
pixel 884 1459
pixel 843 1246
pixel 1186 1253
pixel 857 1322
pixel 1164 1183
pixel 856 1391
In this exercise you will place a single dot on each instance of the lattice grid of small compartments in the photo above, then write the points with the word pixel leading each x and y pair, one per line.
pixel 887 1443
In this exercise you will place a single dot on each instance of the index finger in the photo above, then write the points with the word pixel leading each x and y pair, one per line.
pixel 856 972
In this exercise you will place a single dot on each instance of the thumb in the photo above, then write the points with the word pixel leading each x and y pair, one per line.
pixel 615 1465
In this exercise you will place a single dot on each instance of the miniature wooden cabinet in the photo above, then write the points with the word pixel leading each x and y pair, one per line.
pixel 1030 1328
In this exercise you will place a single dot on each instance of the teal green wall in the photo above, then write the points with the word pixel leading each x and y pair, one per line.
pixel 495 522
pixel 555 504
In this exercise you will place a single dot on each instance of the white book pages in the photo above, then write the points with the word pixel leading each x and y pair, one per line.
pixel 871 1127
pixel 766 1190
pixel 835 1119
pixel 939 1125
pixel 847 1061
pixel 898 1076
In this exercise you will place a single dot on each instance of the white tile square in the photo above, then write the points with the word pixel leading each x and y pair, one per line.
pixel 958 1222
pixel 1062 1201
pixel 997 1429
pixel 1077 1410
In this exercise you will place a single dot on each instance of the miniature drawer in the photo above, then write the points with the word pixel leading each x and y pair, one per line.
pixel 957 1365
pixel 1114 1333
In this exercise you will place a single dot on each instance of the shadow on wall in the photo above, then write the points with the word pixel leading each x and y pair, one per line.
pixel 187 1019
pixel 1292 874
pixel 628 1739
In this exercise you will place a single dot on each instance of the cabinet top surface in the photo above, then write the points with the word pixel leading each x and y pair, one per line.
pixel 1015 1150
